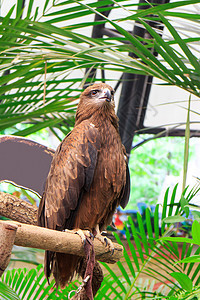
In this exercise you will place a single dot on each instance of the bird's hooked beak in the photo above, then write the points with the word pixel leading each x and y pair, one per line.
pixel 107 95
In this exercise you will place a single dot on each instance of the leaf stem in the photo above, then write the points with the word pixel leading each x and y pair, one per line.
pixel 186 149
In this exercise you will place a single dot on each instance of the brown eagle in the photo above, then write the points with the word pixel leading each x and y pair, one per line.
pixel 88 177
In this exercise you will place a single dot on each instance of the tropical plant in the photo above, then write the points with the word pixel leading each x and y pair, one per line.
pixel 42 49
pixel 184 281
pixel 154 265
pixel 148 256
pixel 149 165
pixel 152 252
pixel 31 284
pixel 39 60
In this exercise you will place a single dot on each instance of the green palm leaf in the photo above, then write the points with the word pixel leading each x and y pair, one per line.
pixel 151 257
pixel 35 38
pixel 32 284
pixel 7 293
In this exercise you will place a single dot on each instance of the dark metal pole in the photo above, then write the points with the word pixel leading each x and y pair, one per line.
pixel 135 93
pixel 98 32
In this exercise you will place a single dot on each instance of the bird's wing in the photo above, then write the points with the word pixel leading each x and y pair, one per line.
pixel 71 174
pixel 126 192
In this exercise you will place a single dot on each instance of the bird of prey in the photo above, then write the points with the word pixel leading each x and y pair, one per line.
pixel 88 177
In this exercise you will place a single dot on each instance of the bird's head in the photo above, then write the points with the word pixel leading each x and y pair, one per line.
pixel 97 98
pixel 98 94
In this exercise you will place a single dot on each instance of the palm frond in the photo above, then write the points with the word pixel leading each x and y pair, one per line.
pixel 43 56
pixel 148 256
pixel 31 284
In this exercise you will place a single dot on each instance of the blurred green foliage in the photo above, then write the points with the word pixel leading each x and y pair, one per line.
pixel 150 164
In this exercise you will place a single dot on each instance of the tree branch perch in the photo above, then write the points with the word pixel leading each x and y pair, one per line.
pixel 42 238
pixel 7 238
pixel 17 209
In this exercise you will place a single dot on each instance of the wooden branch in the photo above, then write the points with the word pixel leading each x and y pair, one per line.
pixel 17 209
pixel 64 242
pixel 47 239
pixel 7 238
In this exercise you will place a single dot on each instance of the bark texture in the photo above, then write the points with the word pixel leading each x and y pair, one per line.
pixel 42 238
pixel 17 209
pixel 25 233
pixel 7 238
pixel 64 242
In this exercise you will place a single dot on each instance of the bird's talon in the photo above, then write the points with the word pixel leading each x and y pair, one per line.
pixel 82 236
pixel 106 241
pixel 112 251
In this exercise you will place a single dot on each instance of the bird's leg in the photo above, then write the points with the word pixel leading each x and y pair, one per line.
pixel 87 238
pixel 85 290
pixel 103 239
pixel 82 233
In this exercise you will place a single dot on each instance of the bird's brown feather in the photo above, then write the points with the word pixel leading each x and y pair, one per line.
pixel 71 172
pixel 88 178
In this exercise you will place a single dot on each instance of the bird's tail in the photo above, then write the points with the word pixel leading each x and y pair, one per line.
pixel 62 265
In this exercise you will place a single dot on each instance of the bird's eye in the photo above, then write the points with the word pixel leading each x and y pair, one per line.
pixel 94 92
pixel 112 92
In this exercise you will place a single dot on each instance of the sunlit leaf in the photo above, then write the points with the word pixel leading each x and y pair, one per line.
pixel 196 232
pixel 191 259
pixel 184 280
pixel 174 219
